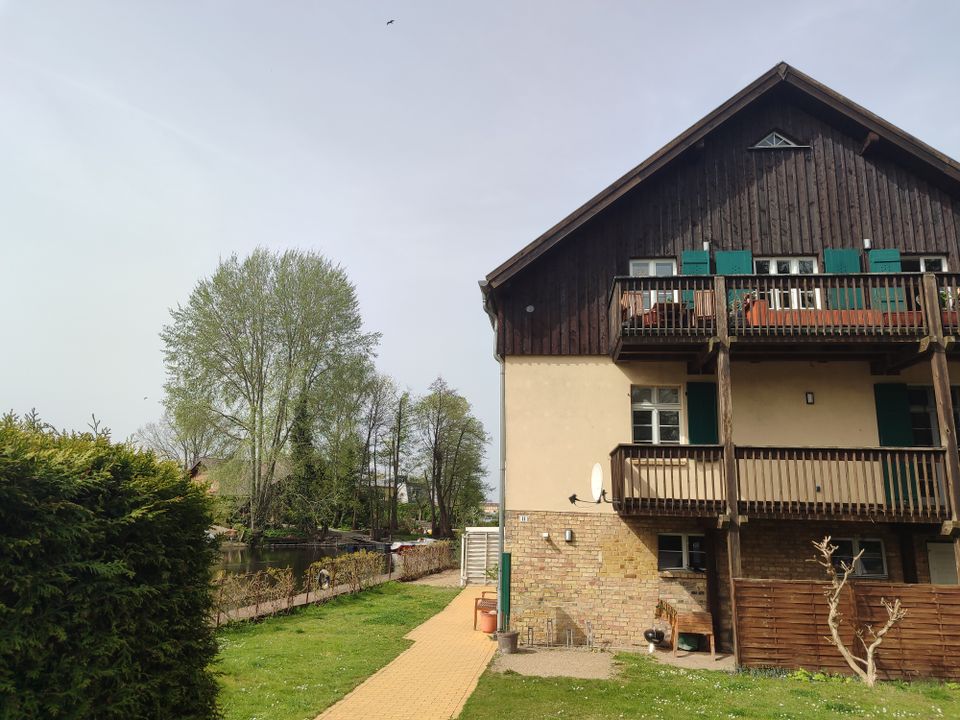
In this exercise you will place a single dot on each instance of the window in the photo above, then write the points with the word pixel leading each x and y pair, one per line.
pixel 923 263
pixel 874 560
pixel 655 413
pixel 776 140
pixel 789 299
pixel 923 416
pixel 660 267
pixel 681 552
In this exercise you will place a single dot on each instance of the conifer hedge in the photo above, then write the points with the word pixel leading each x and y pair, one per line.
pixel 104 582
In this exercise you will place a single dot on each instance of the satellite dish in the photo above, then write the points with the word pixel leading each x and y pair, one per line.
pixel 596 482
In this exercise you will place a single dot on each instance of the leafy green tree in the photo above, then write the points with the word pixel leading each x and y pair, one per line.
pixel 452 448
pixel 253 337
pixel 304 493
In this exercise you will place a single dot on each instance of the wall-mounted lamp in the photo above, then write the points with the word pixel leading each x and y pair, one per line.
pixel 546 536
pixel 867 243
pixel 706 246
pixel 529 308
pixel 808 396
pixel 568 535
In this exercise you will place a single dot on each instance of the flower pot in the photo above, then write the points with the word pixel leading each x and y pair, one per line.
pixel 488 621
pixel 507 641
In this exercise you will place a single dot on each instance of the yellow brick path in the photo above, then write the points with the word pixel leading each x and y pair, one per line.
pixel 430 680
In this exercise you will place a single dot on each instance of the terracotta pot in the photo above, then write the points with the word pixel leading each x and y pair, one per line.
pixel 488 621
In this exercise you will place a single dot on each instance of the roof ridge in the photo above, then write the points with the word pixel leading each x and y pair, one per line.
pixel 779 74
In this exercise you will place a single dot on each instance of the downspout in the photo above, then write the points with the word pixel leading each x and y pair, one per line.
pixel 488 307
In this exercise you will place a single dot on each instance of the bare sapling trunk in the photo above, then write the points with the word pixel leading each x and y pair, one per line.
pixel 870 639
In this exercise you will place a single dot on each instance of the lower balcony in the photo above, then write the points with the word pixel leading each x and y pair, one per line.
pixel 869 484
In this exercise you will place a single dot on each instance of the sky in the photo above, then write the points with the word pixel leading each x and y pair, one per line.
pixel 140 142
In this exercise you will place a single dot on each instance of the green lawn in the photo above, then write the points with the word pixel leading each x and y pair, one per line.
pixel 292 667
pixel 646 689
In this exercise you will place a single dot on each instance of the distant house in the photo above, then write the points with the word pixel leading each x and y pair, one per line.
pixel 200 473
pixel 385 488
pixel 490 509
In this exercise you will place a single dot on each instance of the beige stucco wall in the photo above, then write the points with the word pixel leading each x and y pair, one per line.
pixel 563 414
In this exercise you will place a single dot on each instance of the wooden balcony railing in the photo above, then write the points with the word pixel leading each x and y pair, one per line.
pixel 948 290
pixel 890 484
pixel 864 305
pixel 662 307
pixel 674 479
pixel 867 483
pixel 825 307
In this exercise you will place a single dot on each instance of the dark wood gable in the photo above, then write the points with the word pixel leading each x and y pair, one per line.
pixel 782 201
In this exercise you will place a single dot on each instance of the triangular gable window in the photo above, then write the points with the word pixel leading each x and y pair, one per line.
pixel 777 140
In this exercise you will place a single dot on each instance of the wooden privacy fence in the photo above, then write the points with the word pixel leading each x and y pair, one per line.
pixel 783 623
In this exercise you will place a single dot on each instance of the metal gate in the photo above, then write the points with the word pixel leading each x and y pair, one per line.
pixel 479 551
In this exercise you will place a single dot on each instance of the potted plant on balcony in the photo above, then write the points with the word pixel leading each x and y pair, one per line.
pixel 950 307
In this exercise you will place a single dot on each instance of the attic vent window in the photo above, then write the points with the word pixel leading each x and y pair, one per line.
pixel 777 140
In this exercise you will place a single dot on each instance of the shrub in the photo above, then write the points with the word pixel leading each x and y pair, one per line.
pixel 357 570
pixel 420 560
pixel 266 591
pixel 104 581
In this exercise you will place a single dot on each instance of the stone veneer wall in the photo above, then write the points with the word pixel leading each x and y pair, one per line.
pixel 608 574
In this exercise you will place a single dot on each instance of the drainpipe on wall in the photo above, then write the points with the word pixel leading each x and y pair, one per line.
pixel 485 289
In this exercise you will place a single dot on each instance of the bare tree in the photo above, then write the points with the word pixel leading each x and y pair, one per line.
pixel 397 442
pixel 379 400
pixel 185 442
pixel 870 639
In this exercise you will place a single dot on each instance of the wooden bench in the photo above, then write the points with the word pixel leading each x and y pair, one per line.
pixel 695 623
pixel 484 603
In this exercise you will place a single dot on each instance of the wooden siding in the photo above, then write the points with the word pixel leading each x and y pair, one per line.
pixel 773 202
pixel 783 623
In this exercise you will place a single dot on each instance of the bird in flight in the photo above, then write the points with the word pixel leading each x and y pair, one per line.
pixel 389 22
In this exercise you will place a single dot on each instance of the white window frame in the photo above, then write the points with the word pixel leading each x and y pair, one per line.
pixel 855 544
pixel 776 140
pixel 656 407
pixel 651 264
pixel 685 546
pixel 923 262
pixel 790 300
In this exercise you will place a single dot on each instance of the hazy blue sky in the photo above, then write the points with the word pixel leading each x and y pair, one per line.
pixel 141 141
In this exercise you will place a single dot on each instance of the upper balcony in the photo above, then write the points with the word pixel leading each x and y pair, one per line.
pixel 861 315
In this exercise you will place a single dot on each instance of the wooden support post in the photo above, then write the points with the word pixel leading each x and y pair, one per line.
pixel 725 412
pixel 941 393
pixel 944 401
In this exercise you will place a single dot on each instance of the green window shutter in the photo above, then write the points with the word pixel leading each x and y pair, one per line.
pixel 886 299
pixel 843 260
pixel 734 262
pixel 893 414
pixel 693 262
pixel 702 413
pixel 894 429
pixel 886 260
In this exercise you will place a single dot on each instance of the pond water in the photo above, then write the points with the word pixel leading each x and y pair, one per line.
pixel 243 559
